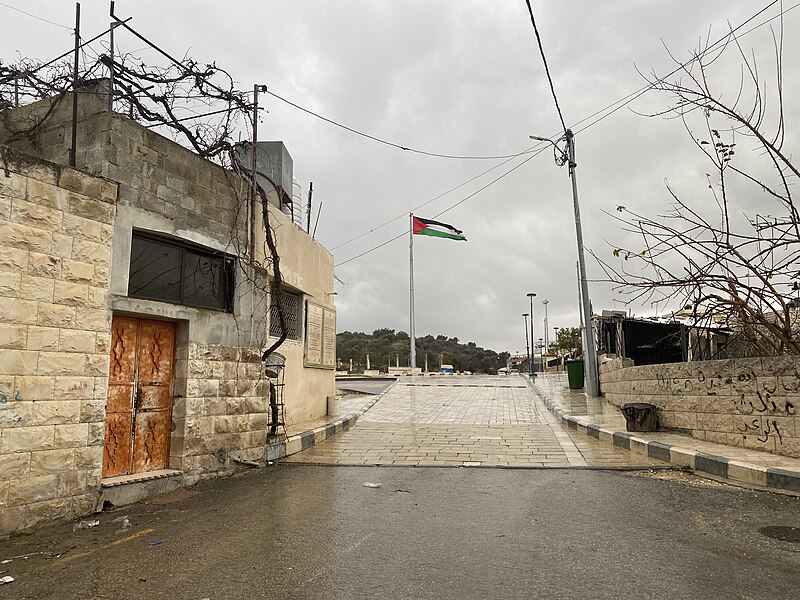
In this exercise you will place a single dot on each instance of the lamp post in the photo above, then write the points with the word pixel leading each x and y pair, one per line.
pixel 546 345
pixel 531 372
pixel 558 349
pixel 590 351
pixel 527 345
pixel 541 356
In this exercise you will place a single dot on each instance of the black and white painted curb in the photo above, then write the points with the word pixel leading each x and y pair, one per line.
pixel 300 441
pixel 719 466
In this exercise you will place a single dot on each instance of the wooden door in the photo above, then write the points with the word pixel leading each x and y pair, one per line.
pixel 139 405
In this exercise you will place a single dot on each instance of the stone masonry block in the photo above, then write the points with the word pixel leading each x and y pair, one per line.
pixel 71 436
pixel 72 483
pixel 97 365
pixel 98 296
pixel 37 288
pixel 91 252
pixel 43 338
pixel 91 208
pixel 18 362
pixel 715 422
pixel 13 336
pixel 75 340
pixel 45 194
pixel 50 462
pixel 13 259
pixel 36 215
pixel 62 245
pixel 92 411
pixel 77 272
pixel 34 388
pixel 74 388
pixel 14 466
pixel 70 294
pixel 39 413
pixel 9 284
pixel 19 311
pixel 33 489
pixel 55 315
pixel 25 238
pixel 94 319
pixel 26 439
pixel 89 458
pixel 62 363
pixel 96 434
pixel 44 265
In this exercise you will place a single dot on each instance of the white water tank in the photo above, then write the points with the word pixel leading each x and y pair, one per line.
pixel 297 203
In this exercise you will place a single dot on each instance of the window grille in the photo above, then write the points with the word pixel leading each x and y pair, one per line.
pixel 292 308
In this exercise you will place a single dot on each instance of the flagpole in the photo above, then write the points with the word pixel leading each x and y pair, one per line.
pixel 412 362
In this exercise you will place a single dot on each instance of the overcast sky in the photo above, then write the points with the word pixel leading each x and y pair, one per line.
pixel 460 77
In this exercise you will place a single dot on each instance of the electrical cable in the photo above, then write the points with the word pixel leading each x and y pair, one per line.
pixel 388 143
pixel 449 208
pixel 427 202
pixel 615 105
pixel 626 100
pixel 546 68
pixel 37 17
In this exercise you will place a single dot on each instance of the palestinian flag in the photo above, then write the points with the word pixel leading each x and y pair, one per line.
pixel 437 229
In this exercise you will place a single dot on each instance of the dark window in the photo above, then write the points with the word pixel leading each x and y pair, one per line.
pixel 292 308
pixel 171 271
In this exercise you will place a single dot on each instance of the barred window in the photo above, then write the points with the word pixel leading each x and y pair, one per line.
pixel 292 309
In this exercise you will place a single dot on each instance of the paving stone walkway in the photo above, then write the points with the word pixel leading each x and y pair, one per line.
pixel 464 421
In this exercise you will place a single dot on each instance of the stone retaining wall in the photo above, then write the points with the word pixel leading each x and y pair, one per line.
pixel 750 402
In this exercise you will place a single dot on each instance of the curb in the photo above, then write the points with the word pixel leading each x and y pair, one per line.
pixel 718 466
pixel 300 441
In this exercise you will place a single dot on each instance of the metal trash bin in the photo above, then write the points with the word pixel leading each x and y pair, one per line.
pixel 575 374
pixel 640 416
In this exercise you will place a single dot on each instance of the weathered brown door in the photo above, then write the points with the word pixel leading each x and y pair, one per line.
pixel 139 405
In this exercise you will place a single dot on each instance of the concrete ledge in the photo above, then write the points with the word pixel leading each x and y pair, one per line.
pixel 717 465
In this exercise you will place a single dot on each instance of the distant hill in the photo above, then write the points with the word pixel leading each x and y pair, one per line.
pixel 383 345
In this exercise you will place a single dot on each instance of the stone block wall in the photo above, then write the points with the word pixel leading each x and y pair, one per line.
pixel 224 414
pixel 55 253
pixel 749 402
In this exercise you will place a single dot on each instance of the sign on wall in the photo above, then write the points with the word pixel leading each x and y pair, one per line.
pixel 320 346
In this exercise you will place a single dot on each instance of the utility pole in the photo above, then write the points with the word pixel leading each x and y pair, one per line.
pixel 590 350
pixel 546 345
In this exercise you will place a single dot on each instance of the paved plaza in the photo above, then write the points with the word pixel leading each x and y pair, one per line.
pixel 474 421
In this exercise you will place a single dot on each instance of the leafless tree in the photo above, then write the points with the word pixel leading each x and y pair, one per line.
pixel 705 254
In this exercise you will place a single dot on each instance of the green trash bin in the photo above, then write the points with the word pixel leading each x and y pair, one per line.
pixel 575 374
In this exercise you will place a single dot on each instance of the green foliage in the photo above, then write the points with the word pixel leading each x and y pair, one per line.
pixel 568 340
pixel 383 345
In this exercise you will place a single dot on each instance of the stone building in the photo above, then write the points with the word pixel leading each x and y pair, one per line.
pixel 132 319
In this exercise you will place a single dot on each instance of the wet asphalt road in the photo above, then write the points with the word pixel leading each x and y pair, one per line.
pixel 292 531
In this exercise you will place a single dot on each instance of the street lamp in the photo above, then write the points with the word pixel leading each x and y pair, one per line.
pixel 527 345
pixel 531 372
pixel 590 351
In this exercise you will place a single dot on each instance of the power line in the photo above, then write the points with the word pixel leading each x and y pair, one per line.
pixel 623 102
pixel 546 68
pixel 449 208
pixel 388 143
pixel 616 106
pixel 36 17
pixel 426 203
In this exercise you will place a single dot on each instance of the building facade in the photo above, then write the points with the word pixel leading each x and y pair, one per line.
pixel 135 309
